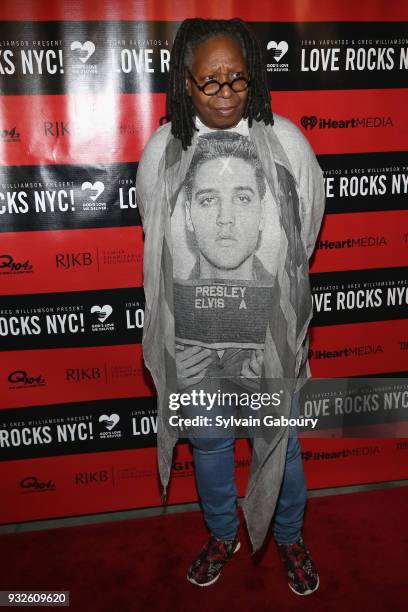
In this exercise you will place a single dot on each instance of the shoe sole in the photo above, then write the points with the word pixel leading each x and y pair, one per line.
pixel 204 584
pixel 309 592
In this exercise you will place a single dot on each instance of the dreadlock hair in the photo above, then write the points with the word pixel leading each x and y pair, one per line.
pixel 193 32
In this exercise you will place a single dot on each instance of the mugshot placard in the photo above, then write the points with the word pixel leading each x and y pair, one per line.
pixel 221 315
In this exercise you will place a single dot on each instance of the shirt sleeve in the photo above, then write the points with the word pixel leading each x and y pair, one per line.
pixel 312 199
pixel 147 172
pixel 309 177
pixel 144 178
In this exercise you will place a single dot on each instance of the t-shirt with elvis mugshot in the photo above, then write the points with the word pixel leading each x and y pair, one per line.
pixel 226 236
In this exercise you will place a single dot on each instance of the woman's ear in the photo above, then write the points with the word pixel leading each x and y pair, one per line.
pixel 187 84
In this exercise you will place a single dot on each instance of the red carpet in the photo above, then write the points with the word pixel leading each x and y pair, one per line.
pixel 359 542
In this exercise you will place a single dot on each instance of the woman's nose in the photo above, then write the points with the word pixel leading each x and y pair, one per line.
pixel 225 91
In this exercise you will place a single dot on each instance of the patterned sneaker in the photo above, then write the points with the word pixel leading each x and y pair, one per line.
pixel 302 573
pixel 206 568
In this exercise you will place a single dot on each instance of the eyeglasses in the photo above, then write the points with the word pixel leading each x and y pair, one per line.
pixel 211 88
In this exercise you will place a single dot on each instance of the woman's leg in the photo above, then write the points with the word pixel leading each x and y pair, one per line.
pixel 215 477
pixel 288 517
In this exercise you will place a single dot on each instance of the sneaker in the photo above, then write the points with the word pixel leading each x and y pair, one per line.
pixel 206 568
pixel 301 570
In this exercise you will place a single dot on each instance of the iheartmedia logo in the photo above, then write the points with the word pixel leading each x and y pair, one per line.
pixel 309 122
pixel 349 243
pixel 346 452
pixel 349 351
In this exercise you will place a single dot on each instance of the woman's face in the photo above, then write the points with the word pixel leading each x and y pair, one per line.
pixel 218 58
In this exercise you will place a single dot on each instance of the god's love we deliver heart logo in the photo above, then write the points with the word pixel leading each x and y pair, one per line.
pixel 103 312
pixel 97 186
pixel 110 421
pixel 85 49
pixel 278 49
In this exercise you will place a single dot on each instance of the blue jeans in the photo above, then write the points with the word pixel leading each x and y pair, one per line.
pixel 215 477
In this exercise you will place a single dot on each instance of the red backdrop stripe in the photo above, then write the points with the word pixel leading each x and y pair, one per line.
pixel 353 241
pixel 379 124
pixel 262 10
pixel 120 374
pixel 359 349
pixel 120 480
pixel 95 250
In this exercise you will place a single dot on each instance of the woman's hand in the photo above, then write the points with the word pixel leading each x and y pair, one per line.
pixel 192 363
pixel 252 366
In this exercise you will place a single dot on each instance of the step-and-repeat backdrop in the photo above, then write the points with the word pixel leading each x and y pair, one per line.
pixel 82 89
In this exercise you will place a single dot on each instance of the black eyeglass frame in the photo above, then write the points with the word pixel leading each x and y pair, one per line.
pixel 220 85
